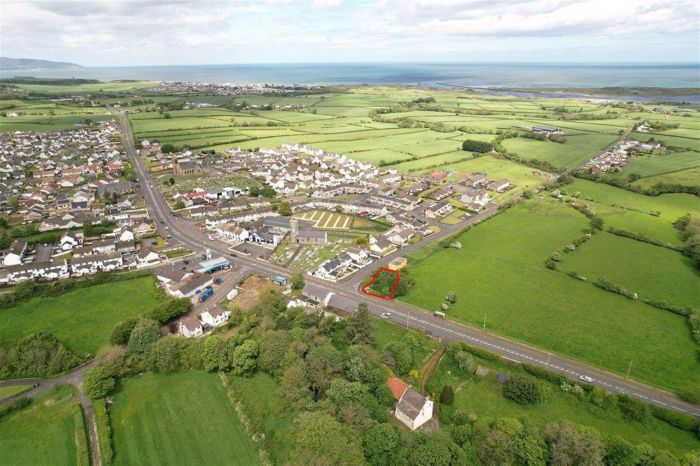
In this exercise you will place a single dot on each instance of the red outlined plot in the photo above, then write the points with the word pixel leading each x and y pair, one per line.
pixel 374 277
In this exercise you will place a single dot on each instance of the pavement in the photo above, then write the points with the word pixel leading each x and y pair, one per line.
pixel 404 314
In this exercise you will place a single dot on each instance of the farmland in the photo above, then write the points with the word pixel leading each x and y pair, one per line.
pixel 80 319
pixel 182 418
pixel 572 317
pixel 49 117
pixel 51 427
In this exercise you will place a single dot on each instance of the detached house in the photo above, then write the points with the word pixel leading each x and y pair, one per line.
pixel 15 253
pixel 413 409
pixel 215 317
pixel 190 328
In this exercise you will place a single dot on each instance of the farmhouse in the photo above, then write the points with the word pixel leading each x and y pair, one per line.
pixel 413 409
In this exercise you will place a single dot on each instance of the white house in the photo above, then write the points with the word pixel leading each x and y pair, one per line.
pixel 69 240
pixel 15 253
pixel 147 257
pixel 190 328
pixel 215 317
pixel 96 263
pixel 413 409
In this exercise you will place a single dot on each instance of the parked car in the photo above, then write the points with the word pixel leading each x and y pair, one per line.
pixel 218 281
pixel 386 315
pixel 586 378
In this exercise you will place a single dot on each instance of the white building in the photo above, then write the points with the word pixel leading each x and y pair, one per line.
pixel 215 317
pixel 190 328
pixel 413 409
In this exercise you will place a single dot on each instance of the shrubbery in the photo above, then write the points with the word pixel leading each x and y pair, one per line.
pixel 524 389
pixel 168 309
pixel 38 355
pixel 480 147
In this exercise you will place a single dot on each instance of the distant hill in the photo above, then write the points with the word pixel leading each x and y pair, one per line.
pixel 29 64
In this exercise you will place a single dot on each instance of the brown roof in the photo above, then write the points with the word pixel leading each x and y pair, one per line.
pixel 397 386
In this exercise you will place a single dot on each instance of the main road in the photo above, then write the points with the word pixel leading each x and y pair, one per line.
pixel 401 313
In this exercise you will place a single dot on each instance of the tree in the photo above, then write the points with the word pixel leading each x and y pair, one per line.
pixel 179 205
pixel 569 444
pixel 379 442
pixel 167 148
pixel 359 326
pixel 524 389
pixel 451 297
pixel 99 382
pixel 324 364
pixel 295 383
pixel 530 448
pixel 245 356
pixel 171 180
pixel 168 309
pixel 298 281
pixel 447 396
pixel 321 440
pixel 36 355
pixel 142 338
pixel 465 361
pixel 284 209
pixel 122 331
pixel 165 354
pixel 398 355
pixel 273 346
pixel 481 147
pixel 597 223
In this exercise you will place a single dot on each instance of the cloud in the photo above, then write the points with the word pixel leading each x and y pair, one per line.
pixel 104 32
pixel 325 4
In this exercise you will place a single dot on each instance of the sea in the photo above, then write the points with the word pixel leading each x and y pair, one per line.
pixel 487 77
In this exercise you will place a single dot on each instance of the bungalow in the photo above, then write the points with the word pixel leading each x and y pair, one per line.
pixel 190 328
pixel 147 257
pixel 189 286
pixel 398 236
pixel 413 409
pixel 216 316
pixel 499 186
pixel 71 239
pixel 380 245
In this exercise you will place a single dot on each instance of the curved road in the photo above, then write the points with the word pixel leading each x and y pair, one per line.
pixel 404 314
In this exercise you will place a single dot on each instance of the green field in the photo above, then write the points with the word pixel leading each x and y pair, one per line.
pixel 499 275
pixel 13 390
pixel 81 319
pixel 483 397
pixel 181 418
pixel 576 149
pixel 651 271
pixel 52 427
pixel 636 212
pixel 647 166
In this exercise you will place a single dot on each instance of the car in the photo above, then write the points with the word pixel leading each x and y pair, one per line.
pixel 35 385
pixel 586 378
pixel 386 315
pixel 218 280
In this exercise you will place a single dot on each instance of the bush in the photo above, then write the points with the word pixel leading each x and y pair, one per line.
pixel 122 331
pixel 524 389
pixel 633 408
pixel 99 382
pixel 168 310
pixel 37 355
pixel 447 396
pixel 15 405
pixel 545 374
pixel 465 361
pixel 691 395
pixel 676 419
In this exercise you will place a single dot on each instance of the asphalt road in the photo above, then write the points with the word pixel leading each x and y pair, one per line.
pixel 405 314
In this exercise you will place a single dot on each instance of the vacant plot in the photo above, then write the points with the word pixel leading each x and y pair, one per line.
pixel 250 292
pixel 81 319
pixel 651 271
pixel 499 276
pixel 181 418
pixel 50 431
pixel 483 397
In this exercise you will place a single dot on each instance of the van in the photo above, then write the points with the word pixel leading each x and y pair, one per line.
pixel 439 314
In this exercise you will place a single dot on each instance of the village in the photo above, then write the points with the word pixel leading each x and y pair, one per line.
pixel 193 87
pixel 616 158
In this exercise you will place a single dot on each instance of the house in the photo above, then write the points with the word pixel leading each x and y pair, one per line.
pixel 49 270
pixel 216 316
pixel 70 239
pixel 380 245
pixel 546 130
pixel 190 328
pixel 147 257
pixel 15 253
pixel 96 263
pixel 499 186
pixel 439 209
pixel 169 274
pixel 413 409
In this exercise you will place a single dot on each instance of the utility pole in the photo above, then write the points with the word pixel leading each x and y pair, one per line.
pixel 549 355
pixel 629 368
pixel 484 328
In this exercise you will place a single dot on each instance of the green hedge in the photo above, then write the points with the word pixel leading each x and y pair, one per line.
pixel 105 431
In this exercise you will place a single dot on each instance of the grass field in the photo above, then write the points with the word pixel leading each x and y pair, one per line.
pixel 178 419
pixel 50 431
pixel 634 212
pixel 651 271
pixel 81 319
pixel 646 166
pixel 575 150
pixel 499 276
pixel 483 397
pixel 13 390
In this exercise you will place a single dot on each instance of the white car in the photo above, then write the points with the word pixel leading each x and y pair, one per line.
pixel 586 378
pixel 386 315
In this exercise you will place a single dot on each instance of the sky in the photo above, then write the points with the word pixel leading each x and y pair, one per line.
pixel 179 32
